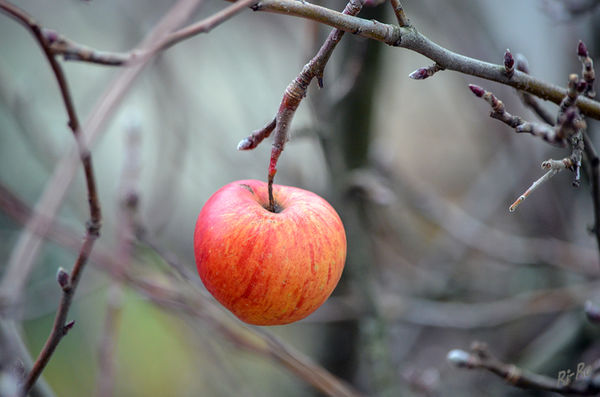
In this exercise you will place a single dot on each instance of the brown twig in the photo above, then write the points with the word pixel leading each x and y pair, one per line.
pixel 67 282
pixel 481 358
pixel 546 132
pixel 294 93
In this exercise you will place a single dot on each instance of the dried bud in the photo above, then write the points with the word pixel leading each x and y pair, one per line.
pixel 458 357
pixel 419 74
pixel 582 49
pixel 477 90
pixel 62 277
pixel 509 63
pixel 592 312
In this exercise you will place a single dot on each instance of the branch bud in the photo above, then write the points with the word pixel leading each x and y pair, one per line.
pixel 477 90
pixel 62 277
pixel 460 358
pixel 419 74
pixel 509 63
pixel 582 49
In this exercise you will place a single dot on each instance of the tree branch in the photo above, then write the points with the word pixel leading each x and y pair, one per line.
pixel 480 357
pixel 410 38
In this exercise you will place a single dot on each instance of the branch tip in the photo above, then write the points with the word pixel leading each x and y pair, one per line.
pixel 459 358
pixel 477 90
pixel 582 49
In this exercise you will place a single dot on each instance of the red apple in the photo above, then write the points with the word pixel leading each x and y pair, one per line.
pixel 269 268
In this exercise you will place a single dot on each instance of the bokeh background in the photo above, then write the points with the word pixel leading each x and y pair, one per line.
pixel 419 173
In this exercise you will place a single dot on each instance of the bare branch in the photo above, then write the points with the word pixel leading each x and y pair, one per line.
pixel 481 358
pixel 410 38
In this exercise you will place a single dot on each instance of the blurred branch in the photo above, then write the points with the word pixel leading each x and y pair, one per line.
pixel 594 162
pixel 128 204
pixel 175 296
pixel 493 242
pixel 529 100
pixel 481 358
pixel 458 315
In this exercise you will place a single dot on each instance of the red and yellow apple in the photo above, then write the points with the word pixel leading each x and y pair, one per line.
pixel 269 267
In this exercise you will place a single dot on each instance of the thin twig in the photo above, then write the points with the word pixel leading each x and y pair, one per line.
pixel 553 167
pixel 69 284
pixel 400 14
pixel 294 93
pixel 481 358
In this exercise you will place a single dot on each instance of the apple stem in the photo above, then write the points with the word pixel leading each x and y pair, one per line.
pixel 271 199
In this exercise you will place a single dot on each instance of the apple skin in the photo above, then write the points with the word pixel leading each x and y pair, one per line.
pixel 269 268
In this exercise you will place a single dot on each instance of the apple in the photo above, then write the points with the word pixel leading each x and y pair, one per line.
pixel 269 267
